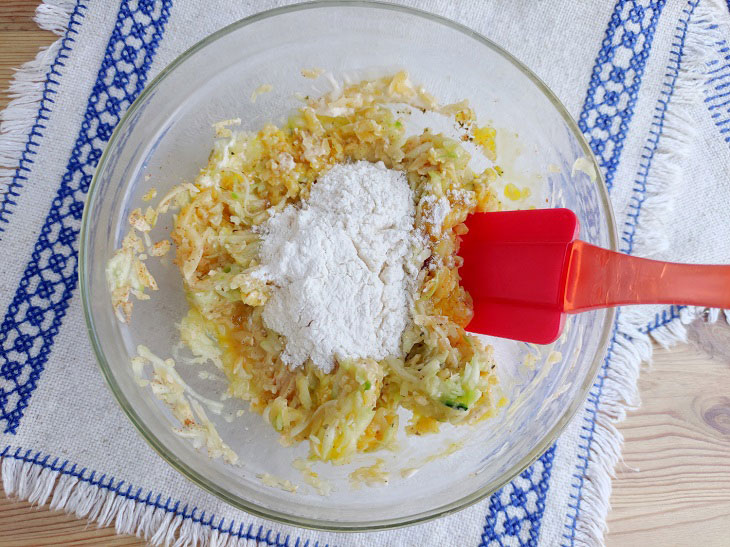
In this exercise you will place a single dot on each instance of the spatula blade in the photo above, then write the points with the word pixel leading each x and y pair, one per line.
pixel 514 269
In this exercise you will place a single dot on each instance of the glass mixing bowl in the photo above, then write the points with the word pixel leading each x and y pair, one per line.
pixel 165 138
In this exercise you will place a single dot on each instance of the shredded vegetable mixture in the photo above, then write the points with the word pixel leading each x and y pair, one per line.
pixel 443 373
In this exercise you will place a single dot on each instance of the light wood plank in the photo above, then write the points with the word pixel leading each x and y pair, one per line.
pixel 17 15
pixel 22 524
pixel 17 47
pixel 674 485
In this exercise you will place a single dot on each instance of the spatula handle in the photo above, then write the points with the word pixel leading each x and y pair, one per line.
pixel 599 278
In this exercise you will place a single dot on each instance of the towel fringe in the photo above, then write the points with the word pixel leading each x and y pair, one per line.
pixel 631 346
pixel 30 481
pixel 679 132
pixel 26 90
pixel 618 396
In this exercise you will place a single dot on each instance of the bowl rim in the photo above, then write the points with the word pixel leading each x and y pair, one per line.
pixel 281 517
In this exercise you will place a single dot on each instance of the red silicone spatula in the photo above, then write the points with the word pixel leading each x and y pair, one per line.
pixel 525 270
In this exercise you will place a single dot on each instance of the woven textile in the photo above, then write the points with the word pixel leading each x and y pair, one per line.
pixel 648 83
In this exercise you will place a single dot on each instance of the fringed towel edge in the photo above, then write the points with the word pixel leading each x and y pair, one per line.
pixel 632 343
pixel 31 90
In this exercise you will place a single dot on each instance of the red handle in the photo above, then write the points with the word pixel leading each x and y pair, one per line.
pixel 599 278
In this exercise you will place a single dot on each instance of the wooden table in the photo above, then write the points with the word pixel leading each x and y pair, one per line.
pixel 672 489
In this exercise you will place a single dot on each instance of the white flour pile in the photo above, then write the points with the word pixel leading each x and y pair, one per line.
pixel 342 266
pixel 437 212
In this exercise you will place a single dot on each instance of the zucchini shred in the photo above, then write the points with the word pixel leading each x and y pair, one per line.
pixel 445 375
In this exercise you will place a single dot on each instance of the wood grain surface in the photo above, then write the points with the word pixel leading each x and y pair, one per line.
pixel 674 485
pixel 20 40
pixel 673 488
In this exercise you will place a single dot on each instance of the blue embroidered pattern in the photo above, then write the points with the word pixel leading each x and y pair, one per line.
pixel 616 78
pixel 128 491
pixel 638 198
pixel 515 512
pixel 717 101
pixel 639 194
pixel 717 87
pixel 35 314
pixel 588 430
pixel 7 198
pixel 665 317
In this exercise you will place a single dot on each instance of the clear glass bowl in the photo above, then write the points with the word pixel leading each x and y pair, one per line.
pixel 166 137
